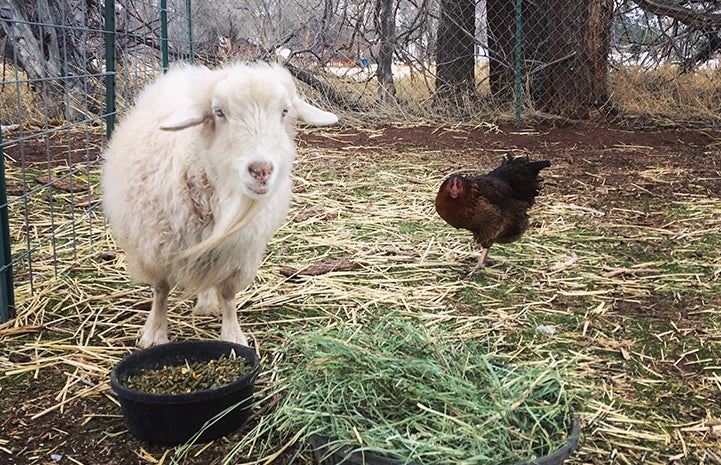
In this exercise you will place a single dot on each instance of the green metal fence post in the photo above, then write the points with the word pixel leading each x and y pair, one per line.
pixel 164 34
pixel 109 66
pixel 7 293
pixel 518 59
pixel 191 45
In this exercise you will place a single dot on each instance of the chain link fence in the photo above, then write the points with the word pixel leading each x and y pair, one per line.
pixel 653 62
pixel 70 66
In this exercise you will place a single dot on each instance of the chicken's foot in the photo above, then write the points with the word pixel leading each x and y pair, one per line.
pixel 481 262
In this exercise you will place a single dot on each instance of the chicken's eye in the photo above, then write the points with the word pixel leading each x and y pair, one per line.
pixel 285 113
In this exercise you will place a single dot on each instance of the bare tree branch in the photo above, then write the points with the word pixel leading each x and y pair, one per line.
pixel 337 98
pixel 697 19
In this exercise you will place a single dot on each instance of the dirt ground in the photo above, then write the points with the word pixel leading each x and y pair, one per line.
pixel 600 164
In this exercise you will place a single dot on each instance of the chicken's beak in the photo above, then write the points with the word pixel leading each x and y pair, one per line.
pixel 454 189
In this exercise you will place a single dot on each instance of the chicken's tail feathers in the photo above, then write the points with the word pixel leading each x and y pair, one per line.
pixel 537 166
pixel 510 162
pixel 521 175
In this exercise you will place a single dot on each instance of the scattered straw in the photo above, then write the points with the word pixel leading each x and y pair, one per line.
pixel 645 338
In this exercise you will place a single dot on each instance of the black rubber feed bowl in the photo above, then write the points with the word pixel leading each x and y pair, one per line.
pixel 176 418
pixel 325 455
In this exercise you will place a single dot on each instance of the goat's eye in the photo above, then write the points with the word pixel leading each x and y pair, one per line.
pixel 285 112
pixel 218 111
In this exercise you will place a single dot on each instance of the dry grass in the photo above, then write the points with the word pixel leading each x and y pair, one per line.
pixel 634 307
pixel 36 104
pixel 666 96
pixel 662 97
pixel 16 94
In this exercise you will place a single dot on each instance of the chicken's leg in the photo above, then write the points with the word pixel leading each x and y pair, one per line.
pixel 481 261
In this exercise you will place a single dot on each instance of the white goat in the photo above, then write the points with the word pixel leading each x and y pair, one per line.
pixel 196 181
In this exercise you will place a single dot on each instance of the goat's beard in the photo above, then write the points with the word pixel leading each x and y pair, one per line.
pixel 236 219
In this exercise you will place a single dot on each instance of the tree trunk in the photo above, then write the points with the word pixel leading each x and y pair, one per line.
pixel 565 46
pixel 387 26
pixel 501 43
pixel 573 75
pixel 598 43
pixel 28 42
pixel 455 62
pixel 56 58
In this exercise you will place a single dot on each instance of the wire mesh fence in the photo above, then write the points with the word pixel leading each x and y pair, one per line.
pixel 70 66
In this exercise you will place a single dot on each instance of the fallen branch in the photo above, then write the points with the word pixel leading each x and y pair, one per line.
pixel 627 271
pixel 562 266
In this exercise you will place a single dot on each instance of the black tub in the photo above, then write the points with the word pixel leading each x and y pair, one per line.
pixel 326 453
pixel 176 418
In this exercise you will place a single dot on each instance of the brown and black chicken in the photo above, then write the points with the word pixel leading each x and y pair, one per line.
pixel 493 206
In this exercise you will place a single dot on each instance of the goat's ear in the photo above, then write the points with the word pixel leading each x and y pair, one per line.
pixel 313 115
pixel 184 119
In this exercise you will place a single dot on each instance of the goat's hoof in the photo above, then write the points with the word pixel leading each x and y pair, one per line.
pixel 206 310
pixel 238 338
pixel 147 340
pixel 207 305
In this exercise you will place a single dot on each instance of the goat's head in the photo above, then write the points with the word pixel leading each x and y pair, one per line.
pixel 249 122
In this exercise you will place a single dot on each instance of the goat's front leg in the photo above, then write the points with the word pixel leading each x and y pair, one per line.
pixel 155 330
pixel 230 328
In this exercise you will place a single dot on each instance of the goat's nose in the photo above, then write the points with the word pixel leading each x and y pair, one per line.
pixel 261 171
